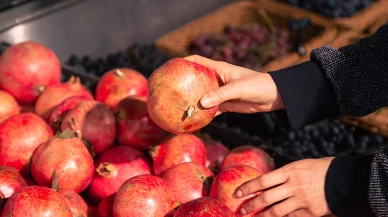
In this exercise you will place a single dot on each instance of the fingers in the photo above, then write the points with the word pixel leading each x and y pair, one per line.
pixel 266 199
pixel 221 68
pixel 262 182
pixel 222 94
pixel 281 209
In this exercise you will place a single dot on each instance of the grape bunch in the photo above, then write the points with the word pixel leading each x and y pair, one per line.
pixel 250 46
pixel 327 138
pixel 331 8
pixel 142 57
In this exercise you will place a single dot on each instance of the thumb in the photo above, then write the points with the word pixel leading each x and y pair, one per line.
pixel 222 94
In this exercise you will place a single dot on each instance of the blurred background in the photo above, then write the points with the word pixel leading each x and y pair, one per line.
pixel 91 37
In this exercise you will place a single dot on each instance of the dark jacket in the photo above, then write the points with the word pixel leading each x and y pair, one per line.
pixel 351 81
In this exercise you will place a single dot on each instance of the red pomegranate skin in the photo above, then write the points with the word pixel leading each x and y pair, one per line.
pixel 226 183
pixel 135 128
pixel 113 168
pixel 177 149
pixel 94 121
pixel 144 196
pixel 61 110
pixel 8 106
pixel 27 66
pixel 69 158
pixel 204 207
pixel 119 83
pixel 215 153
pixel 189 181
pixel 33 201
pixel 76 203
pixel 105 207
pixel 251 156
pixel 10 181
pixel 55 94
pixel 175 89
pixel 92 211
pixel 20 136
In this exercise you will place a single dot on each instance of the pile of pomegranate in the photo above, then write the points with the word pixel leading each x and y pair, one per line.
pixel 134 148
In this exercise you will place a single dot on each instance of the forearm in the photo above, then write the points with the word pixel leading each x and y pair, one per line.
pixel 358 73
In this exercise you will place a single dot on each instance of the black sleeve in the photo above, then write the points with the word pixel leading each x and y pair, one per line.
pixel 358 73
pixel 351 81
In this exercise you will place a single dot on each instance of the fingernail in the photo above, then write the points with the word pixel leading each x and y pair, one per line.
pixel 206 101
pixel 242 211
pixel 238 194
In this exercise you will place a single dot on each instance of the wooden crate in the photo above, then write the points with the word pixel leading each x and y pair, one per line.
pixel 321 32
pixel 361 20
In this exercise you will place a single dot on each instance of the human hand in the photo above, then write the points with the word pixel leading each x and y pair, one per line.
pixel 297 189
pixel 242 90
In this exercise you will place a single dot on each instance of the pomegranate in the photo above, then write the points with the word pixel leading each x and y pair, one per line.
pixel 113 168
pixel 117 84
pixel 55 94
pixel 105 207
pixel 215 153
pixel 26 68
pixel 10 181
pixel 32 201
pixel 251 156
pixel 203 207
pixel 226 183
pixel 77 205
pixel 8 106
pixel 135 127
pixel 175 89
pixel 177 149
pixel 61 110
pixel 20 136
pixel 189 181
pixel 94 122
pixel 68 156
pixel 144 195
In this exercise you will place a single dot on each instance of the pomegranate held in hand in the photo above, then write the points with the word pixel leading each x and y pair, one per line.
pixel 119 83
pixel 8 106
pixel 226 183
pixel 135 128
pixel 55 94
pixel 27 68
pixel 33 201
pixel 189 181
pixel 105 207
pixel 251 156
pixel 93 121
pixel 203 207
pixel 113 168
pixel 175 89
pixel 20 136
pixel 66 155
pixel 61 110
pixel 10 181
pixel 144 195
pixel 177 149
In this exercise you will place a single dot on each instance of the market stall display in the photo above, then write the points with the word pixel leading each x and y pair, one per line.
pixel 80 132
